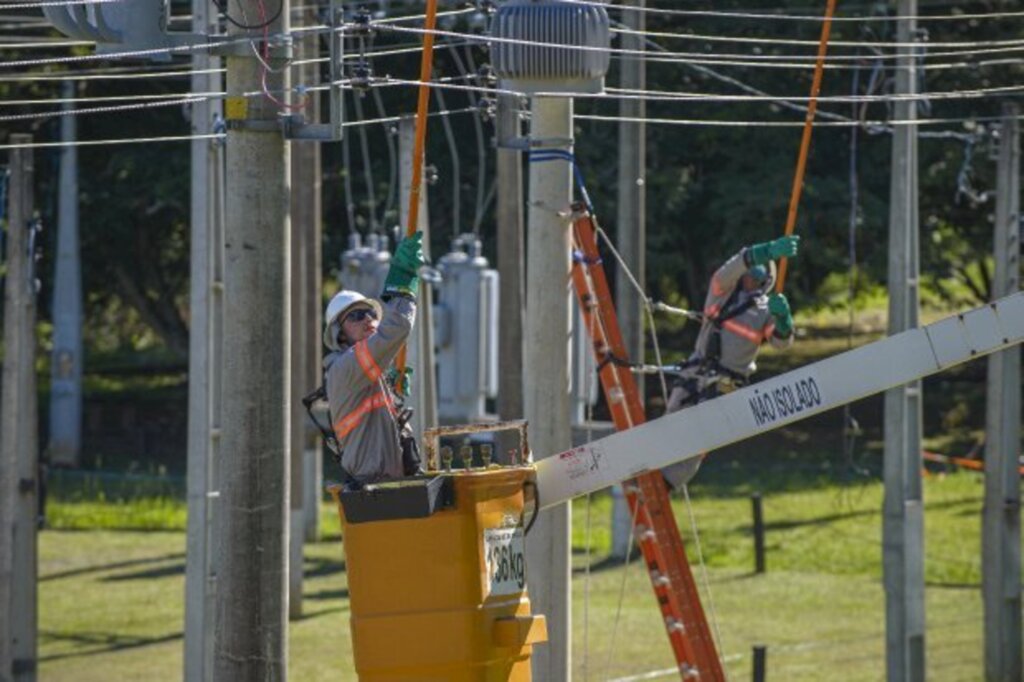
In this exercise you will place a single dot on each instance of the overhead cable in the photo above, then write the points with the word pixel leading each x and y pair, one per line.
pixel 674 57
pixel 1017 46
pixel 120 74
pixel 797 17
pixel 663 96
pixel 788 124
pixel 115 141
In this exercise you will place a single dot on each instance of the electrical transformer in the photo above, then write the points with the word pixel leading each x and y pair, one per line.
pixel 466 325
pixel 364 267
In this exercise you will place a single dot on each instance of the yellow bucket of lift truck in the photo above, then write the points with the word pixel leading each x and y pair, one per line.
pixel 437 577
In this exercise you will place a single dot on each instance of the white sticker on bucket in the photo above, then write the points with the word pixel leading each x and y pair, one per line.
pixel 504 561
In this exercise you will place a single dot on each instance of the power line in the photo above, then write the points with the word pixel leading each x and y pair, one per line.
pixel 787 124
pixel 796 17
pixel 669 56
pixel 98 143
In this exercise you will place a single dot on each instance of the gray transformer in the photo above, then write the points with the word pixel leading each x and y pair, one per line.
pixel 466 318
pixel 364 267
pixel 572 54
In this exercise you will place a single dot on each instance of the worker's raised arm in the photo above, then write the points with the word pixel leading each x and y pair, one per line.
pixel 399 296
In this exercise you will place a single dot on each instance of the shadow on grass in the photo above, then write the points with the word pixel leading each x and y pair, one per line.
pixel 324 595
pixel 100 568
pixel 105 642
pixel 317 568
pixel 151 574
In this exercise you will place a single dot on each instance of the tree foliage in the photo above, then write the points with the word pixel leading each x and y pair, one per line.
pixel 710 189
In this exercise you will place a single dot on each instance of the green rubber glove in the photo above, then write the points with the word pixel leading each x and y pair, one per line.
pixel 783 247
pixel 778 306
pixel 403 277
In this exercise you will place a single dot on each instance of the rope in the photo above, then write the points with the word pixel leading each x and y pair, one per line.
pixel 805 142
pixel 622 591
pixel 647 308
pixel 703 571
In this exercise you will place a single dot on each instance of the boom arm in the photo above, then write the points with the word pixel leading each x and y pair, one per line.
pixel 782 400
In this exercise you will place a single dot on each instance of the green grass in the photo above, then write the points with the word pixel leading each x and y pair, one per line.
pixel 111 597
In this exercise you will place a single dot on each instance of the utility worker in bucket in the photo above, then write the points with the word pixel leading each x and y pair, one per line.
pixel 740 313
pixel 373 437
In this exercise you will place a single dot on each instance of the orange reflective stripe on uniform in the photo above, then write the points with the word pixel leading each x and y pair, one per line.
pixel 712 310
pixel 350 421
pixel 743 330
pixel 370 367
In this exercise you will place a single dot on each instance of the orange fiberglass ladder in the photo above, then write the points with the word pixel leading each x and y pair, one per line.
pixel 656 531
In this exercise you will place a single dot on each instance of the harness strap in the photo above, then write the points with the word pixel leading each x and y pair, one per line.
pixel 369 366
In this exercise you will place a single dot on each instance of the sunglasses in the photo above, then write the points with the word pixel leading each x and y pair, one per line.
pixel 361 314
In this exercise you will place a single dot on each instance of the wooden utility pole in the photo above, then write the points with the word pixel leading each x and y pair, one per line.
pixel 421 347
pixel 19 456
pixel 1001 544
pixel 205 356
pixel 511 296
pixel 632 225
pixel 547 381
pixel 903 513
pixel 252 520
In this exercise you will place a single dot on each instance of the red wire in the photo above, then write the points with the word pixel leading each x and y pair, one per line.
pixel 263 67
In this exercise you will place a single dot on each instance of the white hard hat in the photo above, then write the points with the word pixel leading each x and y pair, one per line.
pixel 340 304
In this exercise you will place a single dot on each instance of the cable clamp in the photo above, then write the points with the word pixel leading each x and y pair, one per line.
pixel 361 77
pixel 361 26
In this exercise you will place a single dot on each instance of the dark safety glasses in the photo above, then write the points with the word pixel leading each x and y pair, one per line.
pixel 362 314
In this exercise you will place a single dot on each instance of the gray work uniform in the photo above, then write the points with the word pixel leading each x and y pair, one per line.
pixel 740 340
pixel 361 402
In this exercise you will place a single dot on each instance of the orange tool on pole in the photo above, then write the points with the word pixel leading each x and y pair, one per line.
pixel 426 67
pixel 805 142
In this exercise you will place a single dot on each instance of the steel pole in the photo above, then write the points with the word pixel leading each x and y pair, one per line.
pixel 511 270
pixel 1001 543
pixel 205 303
pixel 66 365
pixel 903 512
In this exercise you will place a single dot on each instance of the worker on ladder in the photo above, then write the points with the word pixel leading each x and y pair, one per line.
pixel 739 315
pixel 371 434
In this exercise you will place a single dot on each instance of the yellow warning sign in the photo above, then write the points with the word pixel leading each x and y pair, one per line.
pixel 236 108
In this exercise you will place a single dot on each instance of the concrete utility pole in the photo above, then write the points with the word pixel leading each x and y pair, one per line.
pixel 19 451
pixel 205 357
pixel 421 346
pixel 510 264
pixel 1001 584
pixel 632 225
pixel 546 379
pixel 66 364
pixel 903 520
pixel 305 181
pixel 251 530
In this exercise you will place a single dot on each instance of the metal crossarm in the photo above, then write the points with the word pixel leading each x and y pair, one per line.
pixel 656 532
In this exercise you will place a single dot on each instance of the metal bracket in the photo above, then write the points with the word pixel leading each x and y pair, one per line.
pixel 26 485
pixel 296 128
pixel 280 48
pixel 254 126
